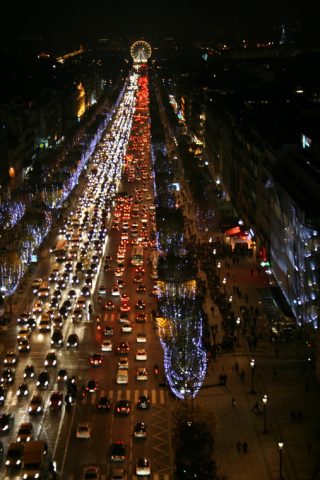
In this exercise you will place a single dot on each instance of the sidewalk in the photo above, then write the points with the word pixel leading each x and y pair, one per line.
pixel 290 387
pixel 281 372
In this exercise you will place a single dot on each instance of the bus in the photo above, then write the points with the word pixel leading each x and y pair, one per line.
pixel 137 255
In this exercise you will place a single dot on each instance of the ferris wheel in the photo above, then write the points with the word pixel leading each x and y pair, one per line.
pixel 140 51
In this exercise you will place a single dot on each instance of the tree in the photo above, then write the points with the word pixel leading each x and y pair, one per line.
pixel 193 438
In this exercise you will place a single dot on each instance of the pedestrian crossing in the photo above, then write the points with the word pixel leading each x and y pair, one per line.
pixel 155 396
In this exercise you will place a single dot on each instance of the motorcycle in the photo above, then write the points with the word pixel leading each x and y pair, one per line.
pixel 156 370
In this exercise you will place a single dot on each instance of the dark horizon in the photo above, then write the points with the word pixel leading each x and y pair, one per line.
pixel 80 22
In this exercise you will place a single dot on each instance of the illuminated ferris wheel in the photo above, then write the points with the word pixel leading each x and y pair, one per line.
pixel 140 51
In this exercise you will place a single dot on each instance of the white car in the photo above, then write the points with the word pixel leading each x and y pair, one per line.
pixel 126 327
pixel 115 292
pixel 142 375
pixel 106 345
pixel 141 338
pixel 141 354
pixel 84 430
pixel 143 466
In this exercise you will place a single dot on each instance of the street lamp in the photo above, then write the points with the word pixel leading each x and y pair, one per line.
pixel 238 321
pixel 265 401
pixel 219 268
pixel 252 365
pixel 224 281
pixel 280 446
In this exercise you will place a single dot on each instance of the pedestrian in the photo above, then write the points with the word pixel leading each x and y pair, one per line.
pixel 239 446
pixel 233 402
pixel 245 447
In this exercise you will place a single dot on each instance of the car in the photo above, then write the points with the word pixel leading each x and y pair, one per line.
pixel 56 400
pixel 62 375
pixel 108 331
pixel 3 394
pixel 118 452
pixel 51 359
pixel 11 359
pixel 85 291
pixel 125 307
pixel 57 293
pixel 102 290
pixel 141 338
pixel 104 404
pixel 23 390
pixel 23 318
pixel 31 323
pixel 23 345
pixel 123 317
pixel 123 348
pixel 91 473
pixel 67 304
pixel 92 386
pixel 6 421
pixel 109 305
pixel 143 467
pixel 141 318
pixel 123 363
pixel 44 324
pixel 77 314
pixel 28 372
pixel 126 327
pixel 125 298
pixel 140 305
pixel 8 376
pixel 36 405
pixel 106 345
pixel 57 338
pixel 83 430
pixel 140 289
pixel 24 332
pixel 14 455
pixel 43 380
pixel 37 307
pixel 140 431
pixel 122 407
pixel 25 432
pixel 58 322
pixel 72 294
pixel 142 374
pixel 96 359
pixel 73 341
pixel 141 354
pixel 115 292
pixel 118 474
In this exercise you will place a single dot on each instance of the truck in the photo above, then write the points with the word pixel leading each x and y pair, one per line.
pixel 33 460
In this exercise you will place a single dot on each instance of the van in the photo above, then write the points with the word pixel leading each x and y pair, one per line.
pixel 122 377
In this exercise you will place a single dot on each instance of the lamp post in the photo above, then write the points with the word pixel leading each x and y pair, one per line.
pixel 265 401
pixel 238 321
pixel 252 365
pixel 224 281
pixel 280 446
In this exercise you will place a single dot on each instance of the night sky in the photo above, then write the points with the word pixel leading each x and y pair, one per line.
pixel 180 18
